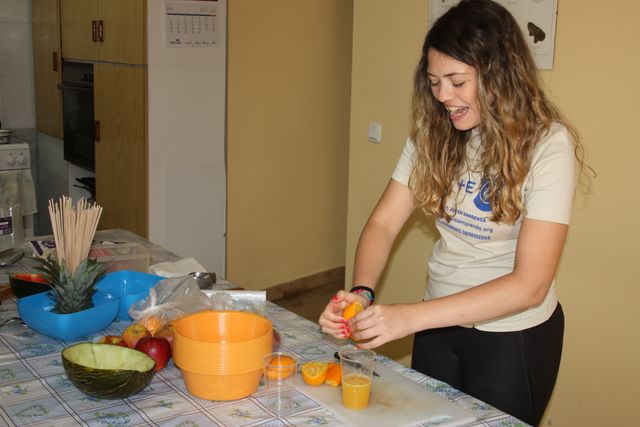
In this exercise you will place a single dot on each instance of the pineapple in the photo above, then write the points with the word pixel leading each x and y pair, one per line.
pixel 71 292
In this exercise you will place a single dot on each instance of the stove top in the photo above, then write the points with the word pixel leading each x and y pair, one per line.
pixel 13 145
pixel 15 156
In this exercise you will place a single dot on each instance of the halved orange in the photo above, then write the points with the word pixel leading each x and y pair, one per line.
pixel 314 373
pixel 334 375
pixel 281 367
pixel 352 309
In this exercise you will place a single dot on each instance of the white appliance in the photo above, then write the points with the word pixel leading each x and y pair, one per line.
pixel 17 157
pixel 187 103
pixel 14 156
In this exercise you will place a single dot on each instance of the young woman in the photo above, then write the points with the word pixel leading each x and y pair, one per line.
pixel 494 162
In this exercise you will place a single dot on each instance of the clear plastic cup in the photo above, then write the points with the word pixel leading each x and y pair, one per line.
pixel 280 375
pixel 357 374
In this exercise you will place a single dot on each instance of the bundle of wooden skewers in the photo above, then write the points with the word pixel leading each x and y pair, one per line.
pixel 72 275
pixel 73 229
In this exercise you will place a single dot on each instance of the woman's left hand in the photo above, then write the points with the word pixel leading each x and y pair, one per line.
pixel 380 324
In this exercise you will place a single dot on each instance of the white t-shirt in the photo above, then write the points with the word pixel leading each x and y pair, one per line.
pixel 472 249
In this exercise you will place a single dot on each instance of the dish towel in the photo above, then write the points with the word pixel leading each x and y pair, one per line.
pixel 17 188
pixel 176 269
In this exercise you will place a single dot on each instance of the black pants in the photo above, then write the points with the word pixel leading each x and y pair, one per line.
pixel 512 371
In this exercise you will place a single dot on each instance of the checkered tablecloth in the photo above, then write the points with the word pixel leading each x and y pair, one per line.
pixel 34 390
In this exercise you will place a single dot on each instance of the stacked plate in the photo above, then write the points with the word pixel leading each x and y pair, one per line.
pixel 5 136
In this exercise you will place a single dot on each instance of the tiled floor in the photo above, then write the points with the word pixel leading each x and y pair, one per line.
pixel 311 303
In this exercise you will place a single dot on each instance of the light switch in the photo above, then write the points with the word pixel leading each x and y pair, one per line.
pixel 375 132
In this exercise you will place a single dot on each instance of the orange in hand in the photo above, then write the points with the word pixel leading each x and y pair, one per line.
pixel 334 375
pixel 352 309
pixel 281 367
pixel 314 373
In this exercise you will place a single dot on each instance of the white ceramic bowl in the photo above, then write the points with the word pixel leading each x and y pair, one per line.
pixel 5 136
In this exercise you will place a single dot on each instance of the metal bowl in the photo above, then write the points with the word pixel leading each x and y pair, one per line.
pixel 205 280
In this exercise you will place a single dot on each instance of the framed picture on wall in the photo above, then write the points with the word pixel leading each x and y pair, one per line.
pixel 537 19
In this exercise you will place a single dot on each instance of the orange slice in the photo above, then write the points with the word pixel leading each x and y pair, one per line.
pixel 352 309
pixel 281 367
pixel 314 373
pixel 334 375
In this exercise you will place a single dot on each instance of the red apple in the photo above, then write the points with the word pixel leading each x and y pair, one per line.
pixel 133 333
pixel 276 340
pixel 166 332
pixel 157 348
pixel 113 339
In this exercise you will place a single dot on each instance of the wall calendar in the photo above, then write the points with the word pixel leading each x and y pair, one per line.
pixel 191 23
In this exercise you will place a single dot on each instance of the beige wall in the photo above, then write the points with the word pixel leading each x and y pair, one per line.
pixel 595 83
pixel 386 47
pixel 289 67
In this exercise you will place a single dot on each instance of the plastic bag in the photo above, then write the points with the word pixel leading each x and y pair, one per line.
pixel 169 300
pixel 249 301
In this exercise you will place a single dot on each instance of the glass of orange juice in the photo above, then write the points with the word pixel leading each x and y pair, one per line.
pixel 357 373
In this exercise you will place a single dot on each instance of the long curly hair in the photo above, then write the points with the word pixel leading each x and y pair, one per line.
pixel 515 113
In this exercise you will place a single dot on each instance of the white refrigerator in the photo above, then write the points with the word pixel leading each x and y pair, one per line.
pixel 187 107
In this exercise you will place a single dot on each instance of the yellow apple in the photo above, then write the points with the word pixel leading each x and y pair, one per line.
pixel 113 339
pixel 133 333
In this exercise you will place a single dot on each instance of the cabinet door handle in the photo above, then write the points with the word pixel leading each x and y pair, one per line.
pixel 101 30
pixel 96 130
pixel 55 60
pixel 94 31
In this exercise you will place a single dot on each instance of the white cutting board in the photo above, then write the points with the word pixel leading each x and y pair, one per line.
pixel 395 401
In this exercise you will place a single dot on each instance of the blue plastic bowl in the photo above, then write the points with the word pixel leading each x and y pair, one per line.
pixel 36 312
pixel 130 286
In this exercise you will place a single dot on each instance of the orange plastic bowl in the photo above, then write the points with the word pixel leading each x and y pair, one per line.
pixel 222 387
pixel 219 352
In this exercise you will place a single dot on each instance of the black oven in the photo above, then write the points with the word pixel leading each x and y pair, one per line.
pixel 77 113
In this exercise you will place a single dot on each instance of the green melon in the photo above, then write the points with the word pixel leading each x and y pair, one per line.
pixel 107 371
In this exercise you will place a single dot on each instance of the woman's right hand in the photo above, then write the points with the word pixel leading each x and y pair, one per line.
pixel 331 319
pixel 372 252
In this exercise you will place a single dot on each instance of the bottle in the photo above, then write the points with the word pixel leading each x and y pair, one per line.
pixel 11 227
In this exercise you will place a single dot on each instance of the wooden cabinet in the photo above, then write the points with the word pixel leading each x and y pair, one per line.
pixel 104 30
pixel 47 66
pixel 121 146
pixel 112 35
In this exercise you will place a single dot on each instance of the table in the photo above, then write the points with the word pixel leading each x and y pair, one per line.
pixel 157 253
pixel 34 389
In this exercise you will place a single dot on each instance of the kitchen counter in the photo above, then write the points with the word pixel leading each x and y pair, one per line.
pixel 34 388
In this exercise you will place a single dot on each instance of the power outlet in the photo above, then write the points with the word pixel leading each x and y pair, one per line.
pixel 375 133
